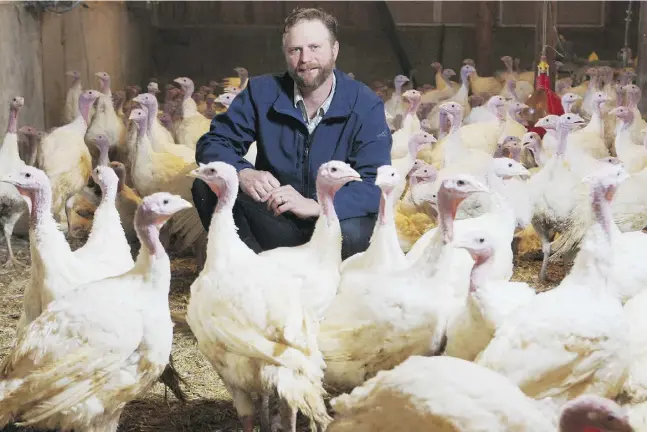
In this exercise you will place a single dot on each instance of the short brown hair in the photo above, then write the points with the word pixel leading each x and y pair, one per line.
pixel 311 14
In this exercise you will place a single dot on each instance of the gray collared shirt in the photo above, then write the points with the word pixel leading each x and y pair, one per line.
pixel 299 103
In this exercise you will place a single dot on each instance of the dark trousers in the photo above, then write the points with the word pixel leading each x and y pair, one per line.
pixel 261 230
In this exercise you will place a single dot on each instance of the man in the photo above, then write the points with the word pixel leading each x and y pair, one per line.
pixel 308 116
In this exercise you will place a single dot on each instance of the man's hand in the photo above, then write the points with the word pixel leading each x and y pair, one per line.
pixel 286 198
pixel 257 184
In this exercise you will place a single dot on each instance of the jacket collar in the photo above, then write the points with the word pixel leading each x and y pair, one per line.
pixel 325 106
pixel 340 106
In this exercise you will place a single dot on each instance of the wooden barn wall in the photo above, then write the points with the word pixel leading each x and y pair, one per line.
pixel 102 37
pixel 21 73
pixel 206 40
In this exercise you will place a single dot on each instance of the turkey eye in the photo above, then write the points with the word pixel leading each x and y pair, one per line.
pixel 212 170
pixel 461 183
pixel 510 165
pixel 27 175
pixel 392 174
pixel 481 240
pixel 333 169
pixel 165 201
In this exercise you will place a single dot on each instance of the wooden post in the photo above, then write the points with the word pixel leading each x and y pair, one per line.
pixel 551 36
pixel 389 26
pixel 641 71
pixel 484 35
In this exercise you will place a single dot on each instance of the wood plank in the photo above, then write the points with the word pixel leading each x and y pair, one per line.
pixel 388 24
pixel 642 55
pixel 268 12
pixel 483 37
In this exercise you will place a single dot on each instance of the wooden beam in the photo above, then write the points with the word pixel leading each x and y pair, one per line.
pixel 484 35
pixel 641 71
pixel 388 23
pixel 551 37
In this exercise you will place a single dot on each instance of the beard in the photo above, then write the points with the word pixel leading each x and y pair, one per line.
pixel 313 76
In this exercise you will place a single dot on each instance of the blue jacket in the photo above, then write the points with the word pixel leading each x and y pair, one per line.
pixel 353 130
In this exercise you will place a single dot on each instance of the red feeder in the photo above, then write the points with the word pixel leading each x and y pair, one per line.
pixel 543 100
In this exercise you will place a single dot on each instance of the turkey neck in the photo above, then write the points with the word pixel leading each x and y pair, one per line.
pixel 497 196
pixel 385 215
pixel 513 91
pixel 568 106
pixel 480 270
pixel 595 83
pixel 562 135
pixel 105 87
pixel 465 79
pixel 601 198
pixel 109 193
pixel 398 89
pixel 413 147
pixel 104 159
pixel 224 245
pixel 455 120
pixel 442 120
pixel 143 128
pixel 41 203
pixel 627 121
pixel 500 113
pixel 326 198
pixel 148 232
pixel 188 92
pixel 447 208
pixel 84 111
pixel 632 100
pixel 152 112
pixel 447 80
pixel 12 127
pixel 413 106
pixel 596 117
pixel 243 80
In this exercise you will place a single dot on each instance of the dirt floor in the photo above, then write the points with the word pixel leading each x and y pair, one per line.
pixel 209 407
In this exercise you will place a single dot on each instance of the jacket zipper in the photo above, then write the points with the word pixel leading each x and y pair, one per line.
pixel 306 164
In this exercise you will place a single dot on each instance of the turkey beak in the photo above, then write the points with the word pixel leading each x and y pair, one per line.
pixel 463 243
pixel 354 176
pixel 523 172
pixel 194 173
pixel 480 187
pixel 8 178
pixel 184 204
pixel 624 175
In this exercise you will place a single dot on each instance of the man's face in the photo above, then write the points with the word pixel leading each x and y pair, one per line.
pixel 309 54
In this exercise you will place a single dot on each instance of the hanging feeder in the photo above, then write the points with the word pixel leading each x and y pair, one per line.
pixel 543 101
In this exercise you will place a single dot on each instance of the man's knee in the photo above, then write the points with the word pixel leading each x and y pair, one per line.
pixel 356 234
